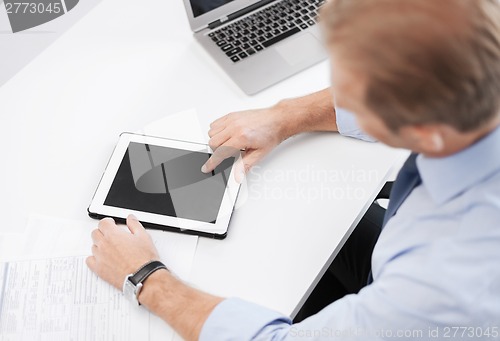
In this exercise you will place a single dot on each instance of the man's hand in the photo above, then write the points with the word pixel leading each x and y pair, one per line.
pixel 118 251
pixel 257 132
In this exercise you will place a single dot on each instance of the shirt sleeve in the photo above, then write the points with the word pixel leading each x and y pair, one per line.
pixel 347 126
pixel 367 316
pixel 236 319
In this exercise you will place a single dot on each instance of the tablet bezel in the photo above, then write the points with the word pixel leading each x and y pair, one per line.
pixel 219 229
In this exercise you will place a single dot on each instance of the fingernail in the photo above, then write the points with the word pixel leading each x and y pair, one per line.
pixel 131 216
pixel 204 169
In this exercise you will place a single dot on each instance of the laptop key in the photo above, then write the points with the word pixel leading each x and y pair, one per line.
pixel 303 26
pixel 281 37
pixel 258 48
pixel 221 43
pixel 227 47
pixel 250 52
pixel 243 55
pixel 234 51
pixel 235 58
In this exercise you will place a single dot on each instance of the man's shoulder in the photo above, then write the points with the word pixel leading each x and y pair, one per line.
pixel 482 200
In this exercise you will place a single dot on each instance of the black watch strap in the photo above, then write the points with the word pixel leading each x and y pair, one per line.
pixel 146 270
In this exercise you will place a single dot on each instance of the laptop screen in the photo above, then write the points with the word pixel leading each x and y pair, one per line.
pixel 201 7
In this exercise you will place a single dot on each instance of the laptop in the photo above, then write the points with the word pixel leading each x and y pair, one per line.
pixel 258 42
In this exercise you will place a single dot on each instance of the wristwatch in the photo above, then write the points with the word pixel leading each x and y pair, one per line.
pixel 132 284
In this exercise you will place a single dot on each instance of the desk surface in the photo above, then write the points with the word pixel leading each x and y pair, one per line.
pixel 124 66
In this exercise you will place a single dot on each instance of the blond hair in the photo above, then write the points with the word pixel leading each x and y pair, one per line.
pixel 425 61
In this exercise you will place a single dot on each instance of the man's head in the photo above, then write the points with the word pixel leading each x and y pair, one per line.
pixel 419 74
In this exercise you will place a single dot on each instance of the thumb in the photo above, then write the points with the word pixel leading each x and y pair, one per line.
pixel 134 225
pixel 249 159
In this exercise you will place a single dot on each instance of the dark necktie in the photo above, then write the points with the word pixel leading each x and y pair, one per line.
pixel 407 179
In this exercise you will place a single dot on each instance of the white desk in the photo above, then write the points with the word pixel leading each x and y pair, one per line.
pixel 124 66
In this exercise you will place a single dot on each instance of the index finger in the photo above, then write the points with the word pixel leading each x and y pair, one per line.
pixel 219 155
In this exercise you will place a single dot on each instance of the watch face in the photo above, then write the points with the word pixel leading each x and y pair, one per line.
pixel 130 290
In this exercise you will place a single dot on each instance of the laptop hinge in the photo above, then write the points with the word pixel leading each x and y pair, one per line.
pixel 239 13
pixel 217 22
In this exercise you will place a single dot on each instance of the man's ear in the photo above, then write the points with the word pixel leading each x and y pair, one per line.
pixel 427 139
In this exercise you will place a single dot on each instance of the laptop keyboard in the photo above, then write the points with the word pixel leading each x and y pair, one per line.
pixel 265 28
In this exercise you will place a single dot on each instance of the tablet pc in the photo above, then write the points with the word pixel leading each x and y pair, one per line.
pixel 160 182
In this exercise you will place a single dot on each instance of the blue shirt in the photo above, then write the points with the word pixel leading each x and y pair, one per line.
pixel 436 266
pixel 347 125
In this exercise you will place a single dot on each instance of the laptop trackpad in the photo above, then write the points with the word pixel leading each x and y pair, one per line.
pixel 301 48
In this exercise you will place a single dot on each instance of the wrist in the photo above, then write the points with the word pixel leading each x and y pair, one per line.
pixel 151 293
pixel 314 112
pixel 289 118
pixel 133 283
pixel 185 309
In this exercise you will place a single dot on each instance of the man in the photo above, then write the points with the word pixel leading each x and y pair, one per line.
pixel 416 74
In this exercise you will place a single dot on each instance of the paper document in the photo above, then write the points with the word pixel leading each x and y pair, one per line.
pixel 61 299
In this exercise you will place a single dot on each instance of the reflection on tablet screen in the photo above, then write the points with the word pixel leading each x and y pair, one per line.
pixel 168 181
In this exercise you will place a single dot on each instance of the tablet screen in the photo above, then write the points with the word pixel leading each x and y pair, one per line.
pixel 168 181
